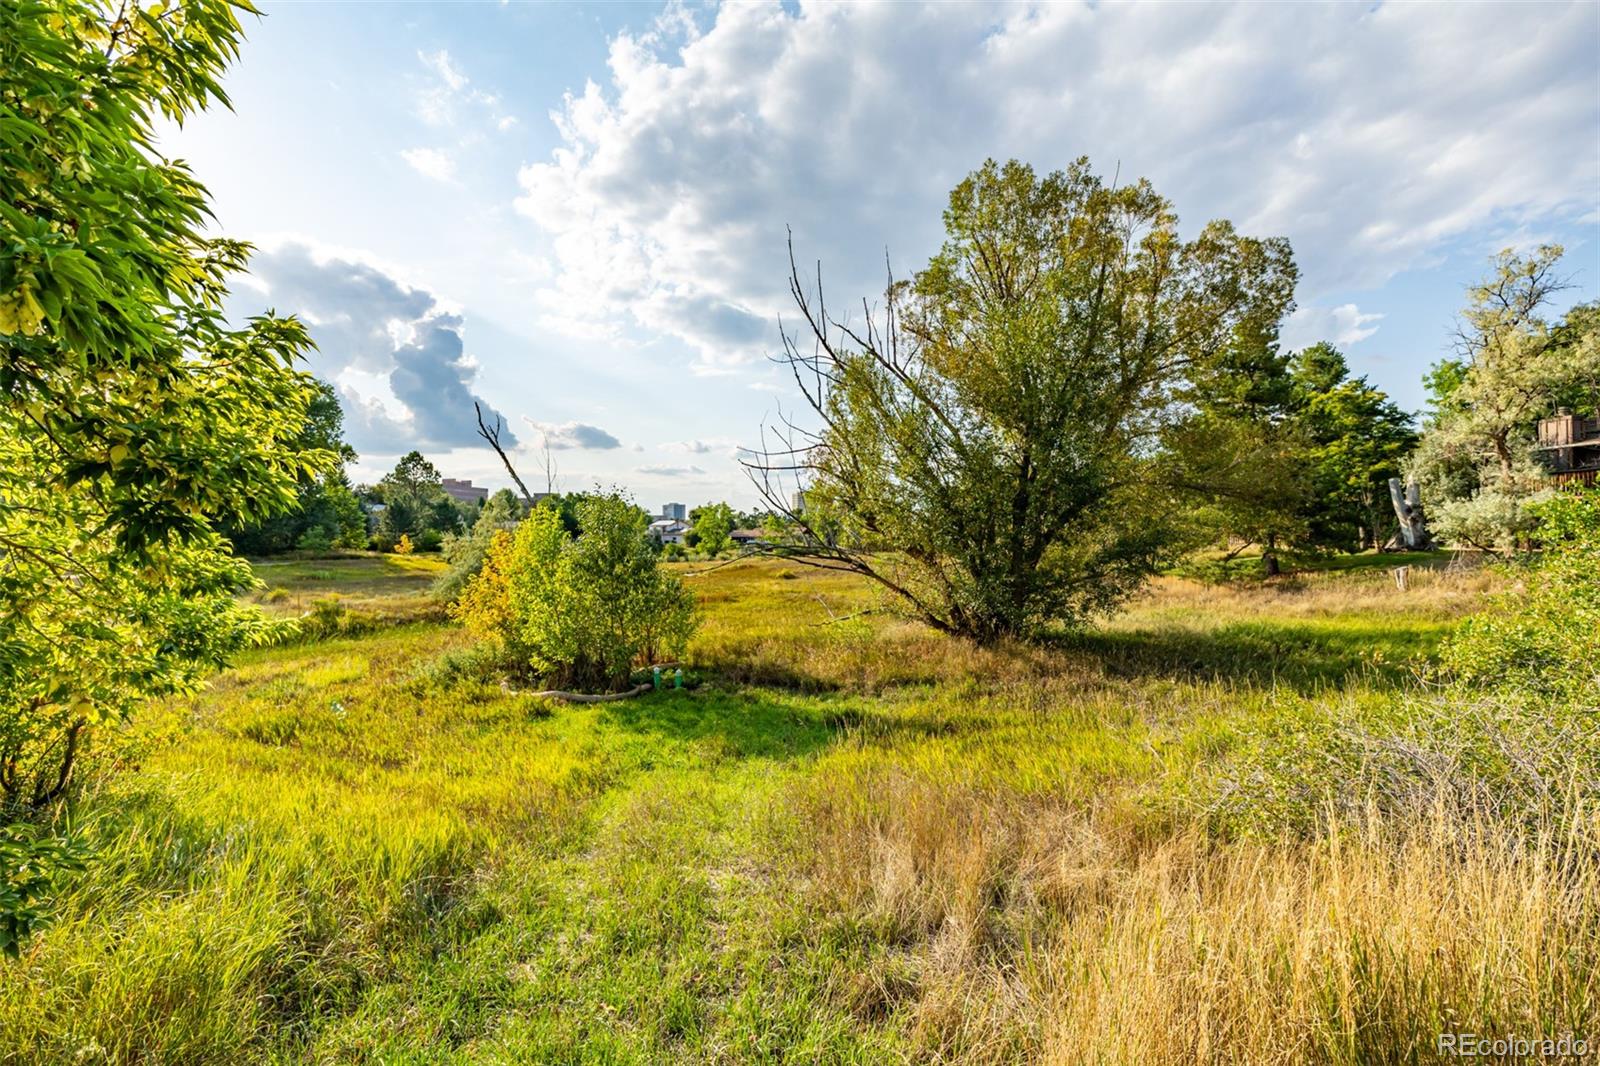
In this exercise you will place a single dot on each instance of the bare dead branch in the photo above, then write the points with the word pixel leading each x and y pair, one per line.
pixel 492 435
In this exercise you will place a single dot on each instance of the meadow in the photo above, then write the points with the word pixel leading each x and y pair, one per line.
pixel 1224 827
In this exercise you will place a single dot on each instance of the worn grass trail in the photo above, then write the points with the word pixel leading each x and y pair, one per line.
pixel 855 842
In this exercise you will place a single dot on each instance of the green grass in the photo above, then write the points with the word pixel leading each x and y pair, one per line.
pixel 388 585
pixel 856 842
pixel 1247 566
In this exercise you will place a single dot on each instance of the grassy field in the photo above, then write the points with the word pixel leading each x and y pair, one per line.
pixel 852 841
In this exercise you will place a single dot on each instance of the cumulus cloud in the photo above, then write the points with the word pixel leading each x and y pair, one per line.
pixel 397 357
pixel 1348 128
pixel 1345 324
pixel 431 163
pixel 574 435
pixel 663 470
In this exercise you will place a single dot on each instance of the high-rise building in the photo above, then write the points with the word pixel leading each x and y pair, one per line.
pixel 675 510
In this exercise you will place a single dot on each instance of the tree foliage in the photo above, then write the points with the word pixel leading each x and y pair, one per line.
pixel 1477 461
pixel 465 552
pixel 135 421
pixel 415 504
pixel 712 524
pixel 1239 454
pixel 1356 439
pixel 987 445
pixel 579 611
pixel 1537 633
pixel 327 513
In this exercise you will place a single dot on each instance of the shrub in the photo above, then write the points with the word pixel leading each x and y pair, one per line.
pixel 403 546
pixel 429 540
pixel 1538 633
pixel 380 542
pixel 315 539
pixel 579 611
pixel 465 552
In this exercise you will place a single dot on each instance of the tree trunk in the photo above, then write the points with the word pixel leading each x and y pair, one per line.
pixel 1407 502
pixel 1269 556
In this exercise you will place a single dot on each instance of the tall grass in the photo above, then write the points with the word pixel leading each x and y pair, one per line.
pixel 1232 826
pixel 1050 932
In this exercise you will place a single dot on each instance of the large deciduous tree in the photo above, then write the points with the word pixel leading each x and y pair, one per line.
pixel 1477 460
pixel 987 444
pixel 712 525
pixel 135 421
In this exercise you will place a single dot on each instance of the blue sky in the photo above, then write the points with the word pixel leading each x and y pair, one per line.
pixel 577 213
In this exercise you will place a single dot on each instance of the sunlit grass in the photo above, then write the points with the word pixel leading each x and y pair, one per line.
pixel 856 841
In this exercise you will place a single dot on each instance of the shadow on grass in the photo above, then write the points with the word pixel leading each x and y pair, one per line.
pixel 748 724
pixel 754 724
pixel 1305 656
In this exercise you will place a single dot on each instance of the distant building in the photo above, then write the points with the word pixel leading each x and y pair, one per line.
pixel 1570 445
pixel 797 501
pixel 464 491
pixel 748 538
pixel 674 510
pixel 669 530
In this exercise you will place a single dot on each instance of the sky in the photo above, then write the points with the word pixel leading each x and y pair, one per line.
pixel 576 215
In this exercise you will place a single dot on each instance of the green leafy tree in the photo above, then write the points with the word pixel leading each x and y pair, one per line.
pixel 712 524
pixel 1358 439
pixel 1240 455
pixel 579 611
pixel 327 514
pixel 414 500
pixel 465 553
pixel 135 422
pixel 988 445
pixel 1477 461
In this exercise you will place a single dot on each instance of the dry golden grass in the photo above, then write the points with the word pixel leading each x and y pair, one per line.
pixel 1035 930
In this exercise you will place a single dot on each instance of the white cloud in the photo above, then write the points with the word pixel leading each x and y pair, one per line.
pixel 431 163
pixel 663 470
pixel 571 435
pixel 1350 129
pixel 715 445
pixel 441 64
pixel 449 93
pixel 1342 325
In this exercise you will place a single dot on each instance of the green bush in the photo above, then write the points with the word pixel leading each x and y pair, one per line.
pixel 1538 634
pixel 315 539
pixel 579 611
pixel 465 552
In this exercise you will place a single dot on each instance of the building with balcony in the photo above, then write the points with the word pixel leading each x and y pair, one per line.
pixel 1569 445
